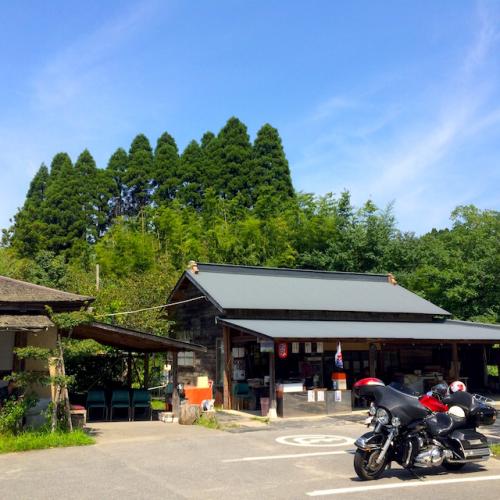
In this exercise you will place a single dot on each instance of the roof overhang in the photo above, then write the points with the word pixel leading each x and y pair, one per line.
pixel 131 340
pixel 443 331
pixel 22 322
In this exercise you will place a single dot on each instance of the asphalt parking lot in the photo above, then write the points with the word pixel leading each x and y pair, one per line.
pixel 287 460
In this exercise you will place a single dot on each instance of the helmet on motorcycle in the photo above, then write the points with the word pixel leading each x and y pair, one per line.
pixel 440 390
pixel 457 386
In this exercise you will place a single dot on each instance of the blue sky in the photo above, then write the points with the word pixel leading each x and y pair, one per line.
pixel 395 101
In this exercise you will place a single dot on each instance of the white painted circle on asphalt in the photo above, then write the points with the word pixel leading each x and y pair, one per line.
pixel 316 440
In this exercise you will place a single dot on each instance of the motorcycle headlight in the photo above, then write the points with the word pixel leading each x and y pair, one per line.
pixel 396 422
pixel 382 416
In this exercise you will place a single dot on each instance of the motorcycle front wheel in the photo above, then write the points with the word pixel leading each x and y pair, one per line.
pixel 365 464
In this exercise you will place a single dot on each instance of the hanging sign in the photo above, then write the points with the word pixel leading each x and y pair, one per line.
pixel 283 350
pixel 308 347
pixel 319 346
pixel 295 347
pixel 267 346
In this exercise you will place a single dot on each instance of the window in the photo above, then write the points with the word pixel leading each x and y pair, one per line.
pixel 185 358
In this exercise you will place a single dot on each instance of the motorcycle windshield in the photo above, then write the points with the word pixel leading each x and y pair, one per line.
pixel 399 404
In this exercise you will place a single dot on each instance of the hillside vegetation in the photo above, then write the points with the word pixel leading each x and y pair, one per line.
pixel 227 199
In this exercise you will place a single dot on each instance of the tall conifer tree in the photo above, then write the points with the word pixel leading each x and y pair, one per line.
pixel 117 169
pixel 232 157
pixel 61 210
pixel 28 230
pixel 166 169
pixel 193 165
pixel 270 166
pixel 139 174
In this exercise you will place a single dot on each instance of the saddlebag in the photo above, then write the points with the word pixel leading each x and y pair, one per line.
pixel 471 445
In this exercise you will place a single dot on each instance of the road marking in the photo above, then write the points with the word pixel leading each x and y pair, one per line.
pixel 292 455
pixel 316 440
pixel 413 484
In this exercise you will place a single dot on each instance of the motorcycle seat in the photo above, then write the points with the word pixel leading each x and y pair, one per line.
pixel 441 424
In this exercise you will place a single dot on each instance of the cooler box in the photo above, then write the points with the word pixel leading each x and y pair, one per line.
pixel 339 381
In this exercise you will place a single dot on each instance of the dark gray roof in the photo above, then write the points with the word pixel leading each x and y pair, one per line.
pixel 24 322
pixel 240 287
pixel 21 292
pixel 436 330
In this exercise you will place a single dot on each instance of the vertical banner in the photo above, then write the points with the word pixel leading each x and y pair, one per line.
pixel 295 347
pixel 338 357
pixel 283 350
pixel 319 347
pixel 308 347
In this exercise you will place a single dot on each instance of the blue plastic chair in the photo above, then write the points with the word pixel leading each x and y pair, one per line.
pixel 97 399
pixel 120 399
pixel 141 398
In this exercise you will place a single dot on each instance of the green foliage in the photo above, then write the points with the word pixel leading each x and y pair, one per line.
pixel 124 251
pixel 208 420
pixel 138 176
pixel 12 414
pixel 226 200
pixel 38 440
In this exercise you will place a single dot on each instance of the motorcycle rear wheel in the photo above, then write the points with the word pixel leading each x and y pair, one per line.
pixel 365 464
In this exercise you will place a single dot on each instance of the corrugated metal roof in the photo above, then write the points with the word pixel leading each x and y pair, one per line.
pixel 24 322
pixel 443 330
pixel 239 287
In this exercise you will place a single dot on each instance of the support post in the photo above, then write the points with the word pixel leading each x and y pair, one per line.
pixel 228 369
pixel 455 367
pixel 129 370
pixel 272 385
pixel 485 366
pixel 372 356
pixel 146 370
pixel 175 394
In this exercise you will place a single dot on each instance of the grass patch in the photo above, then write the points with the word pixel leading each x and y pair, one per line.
pixel 158 404
pixel 32 440
pixel 495 449
pixel 208 421
pixel 263 420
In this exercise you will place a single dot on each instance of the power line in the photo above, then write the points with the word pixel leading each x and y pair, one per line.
pixel 152 308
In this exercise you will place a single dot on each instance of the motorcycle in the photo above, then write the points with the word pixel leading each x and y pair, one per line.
pixel 408 432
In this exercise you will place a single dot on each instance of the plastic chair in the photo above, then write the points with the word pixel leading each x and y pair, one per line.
pixel 97 399
pixel 242 392
pixel 141 398
pixel 120 399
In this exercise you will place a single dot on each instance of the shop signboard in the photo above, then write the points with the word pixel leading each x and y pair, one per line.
pixel 266 346
pixel 283 350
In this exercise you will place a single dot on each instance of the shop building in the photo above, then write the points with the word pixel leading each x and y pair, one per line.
pixel 273 335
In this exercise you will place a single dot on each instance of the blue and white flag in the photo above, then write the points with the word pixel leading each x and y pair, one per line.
pixel 338 357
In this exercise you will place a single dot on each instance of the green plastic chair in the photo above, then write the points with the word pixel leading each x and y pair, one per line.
pixel 97 399
pixel 241 393
pixel 120 399
pixel 141 398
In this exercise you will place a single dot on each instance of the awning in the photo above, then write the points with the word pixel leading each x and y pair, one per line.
pixel 23 322
pixel 131 340
pixel 447 330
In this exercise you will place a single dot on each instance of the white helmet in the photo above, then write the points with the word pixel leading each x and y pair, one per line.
pixel 457 386
pixel 457 411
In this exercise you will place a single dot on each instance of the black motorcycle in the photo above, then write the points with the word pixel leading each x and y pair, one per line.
pixel 410 434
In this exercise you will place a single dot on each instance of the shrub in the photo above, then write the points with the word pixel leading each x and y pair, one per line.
pixel 12 414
